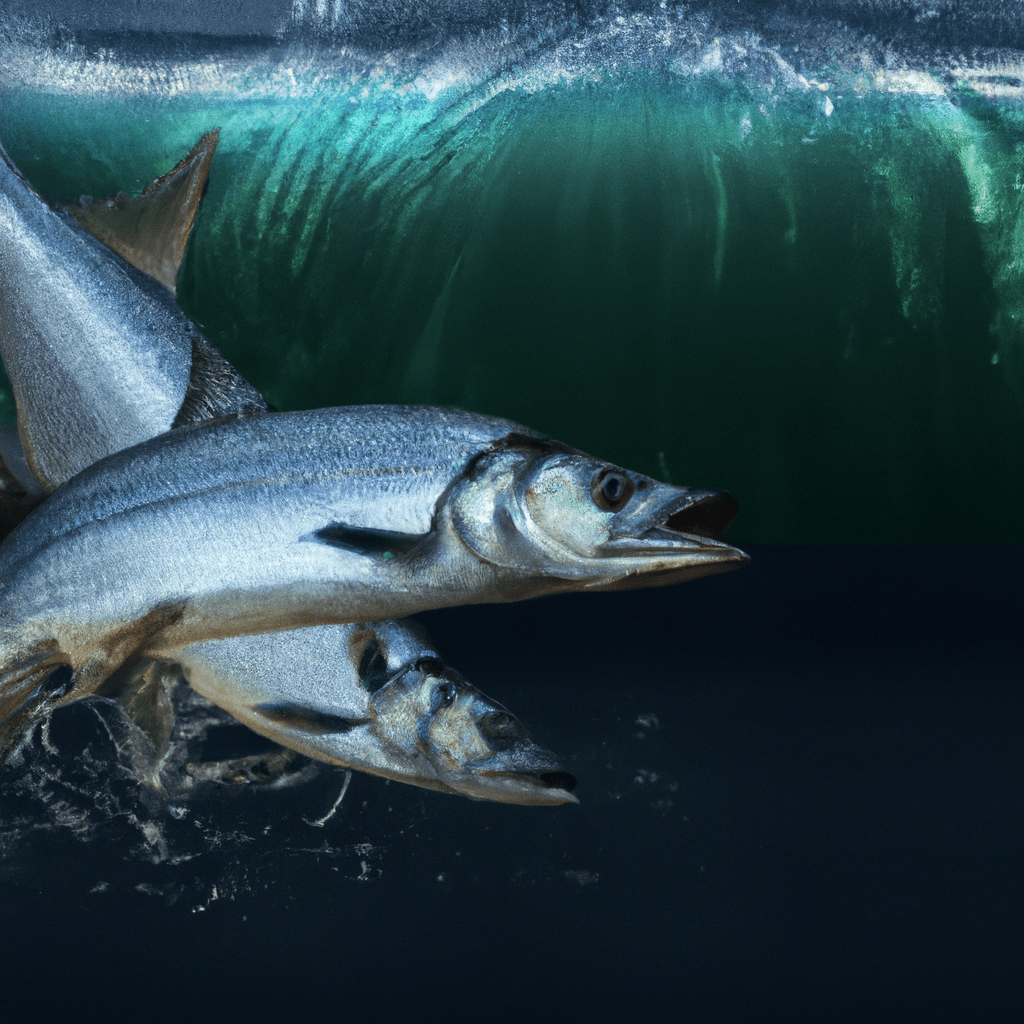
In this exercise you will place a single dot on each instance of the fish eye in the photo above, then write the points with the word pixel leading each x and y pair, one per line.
pixel 611 490
pixel 442 696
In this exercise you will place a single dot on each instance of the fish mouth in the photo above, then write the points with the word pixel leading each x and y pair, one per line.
pixel 685 522
pixel 529 776
pixel 706 517
pixel 559 780
pixel 540 789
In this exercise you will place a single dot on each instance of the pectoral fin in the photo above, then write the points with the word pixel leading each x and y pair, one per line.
pixel 151 230
pixel 144 695
pixel 296 716
pixel 383 543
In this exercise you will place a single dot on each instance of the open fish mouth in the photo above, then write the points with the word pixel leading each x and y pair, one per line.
pixel 706 517
pixel 529 776
pixel 561 780
pixel 691 521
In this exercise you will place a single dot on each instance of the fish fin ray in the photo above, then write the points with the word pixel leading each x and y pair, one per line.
pixel 143 691
pixel 31 683
pixel 216 390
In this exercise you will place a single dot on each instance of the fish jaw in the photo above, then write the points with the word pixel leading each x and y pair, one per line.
pixel 480 750
pixel 540 510
pixel 544 783
pixel 674 536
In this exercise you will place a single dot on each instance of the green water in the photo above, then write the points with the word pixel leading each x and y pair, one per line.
pixel 811 297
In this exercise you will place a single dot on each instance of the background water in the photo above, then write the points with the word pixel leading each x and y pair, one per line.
pixel 769 247
pixel 800 799
pixel 785 265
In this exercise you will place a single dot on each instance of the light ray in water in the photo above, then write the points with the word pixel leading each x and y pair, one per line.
pixel 792 268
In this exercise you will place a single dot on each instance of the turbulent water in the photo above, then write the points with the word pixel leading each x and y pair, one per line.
pixel 784 261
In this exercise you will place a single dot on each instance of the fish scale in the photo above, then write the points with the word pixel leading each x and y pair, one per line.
pixel 98 310
pixel 303 450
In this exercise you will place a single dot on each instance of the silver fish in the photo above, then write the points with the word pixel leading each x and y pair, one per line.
pixel 353 514
pixel 375 697
pixel 81 328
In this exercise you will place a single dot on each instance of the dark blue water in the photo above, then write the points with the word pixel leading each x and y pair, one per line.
pixel 800 792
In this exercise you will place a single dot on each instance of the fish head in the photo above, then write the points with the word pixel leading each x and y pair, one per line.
pixel 545 509
pixel 430 716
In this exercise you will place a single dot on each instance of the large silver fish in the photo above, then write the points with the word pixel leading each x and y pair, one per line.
pixel 373 697
pixel 353 514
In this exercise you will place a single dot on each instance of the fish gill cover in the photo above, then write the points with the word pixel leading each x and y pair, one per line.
pixel 769 247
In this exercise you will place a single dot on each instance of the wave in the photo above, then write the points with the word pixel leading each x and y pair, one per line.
pixel 781 259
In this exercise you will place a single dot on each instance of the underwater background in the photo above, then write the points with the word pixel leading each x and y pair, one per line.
pixel 774 247
pixel 752 255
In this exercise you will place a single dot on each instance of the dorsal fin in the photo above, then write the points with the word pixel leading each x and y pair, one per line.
pixel 151 230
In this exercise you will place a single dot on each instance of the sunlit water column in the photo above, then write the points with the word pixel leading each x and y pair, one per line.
pixel 713 258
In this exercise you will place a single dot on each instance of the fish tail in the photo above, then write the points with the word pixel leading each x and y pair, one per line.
pixel 33 679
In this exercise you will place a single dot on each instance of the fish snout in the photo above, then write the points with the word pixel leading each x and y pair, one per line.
pixel 668 535
pixel 664 509
pixel 520 773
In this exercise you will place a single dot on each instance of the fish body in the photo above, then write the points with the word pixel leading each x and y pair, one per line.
pixel 98 328
pixel 353 514
pixel 378 698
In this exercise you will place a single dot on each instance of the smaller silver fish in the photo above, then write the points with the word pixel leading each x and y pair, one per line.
pixel 382 702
